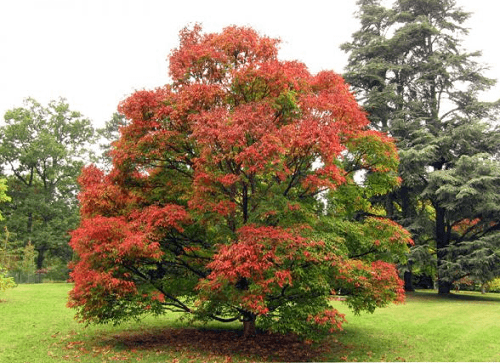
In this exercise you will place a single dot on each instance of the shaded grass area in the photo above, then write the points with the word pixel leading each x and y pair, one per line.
pixel 37 327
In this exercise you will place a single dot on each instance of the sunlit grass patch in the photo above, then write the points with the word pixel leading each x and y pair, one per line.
pixel 429 327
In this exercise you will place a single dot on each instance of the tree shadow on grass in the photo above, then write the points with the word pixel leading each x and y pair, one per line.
pixel 220 343
pixel 454 296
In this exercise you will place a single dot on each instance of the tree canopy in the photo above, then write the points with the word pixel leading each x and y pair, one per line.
pixel 232 196
pixel 3 195
pixel 42 150
pixel 411 73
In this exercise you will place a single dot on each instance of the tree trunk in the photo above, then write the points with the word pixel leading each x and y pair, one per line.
pixel 408 281
pixel 484 288
pixel 444 287
pixel 406 211
pixel 40 258
pixel 249 329
pixel 389 205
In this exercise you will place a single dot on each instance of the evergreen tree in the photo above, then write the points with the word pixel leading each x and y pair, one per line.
pixel 108 135
pixel 419 85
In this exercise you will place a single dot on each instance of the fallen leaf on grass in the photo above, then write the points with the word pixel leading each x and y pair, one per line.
pixel 222 346
pixel 72 345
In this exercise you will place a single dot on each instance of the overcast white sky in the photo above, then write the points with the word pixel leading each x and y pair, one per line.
pixel 96 52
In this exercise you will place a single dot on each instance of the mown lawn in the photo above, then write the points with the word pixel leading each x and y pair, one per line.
pixel 37 327
pixel 463 327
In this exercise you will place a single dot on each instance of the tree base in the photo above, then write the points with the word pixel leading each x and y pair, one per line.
pixel 249 329
pixel 444 288
pixel 408 276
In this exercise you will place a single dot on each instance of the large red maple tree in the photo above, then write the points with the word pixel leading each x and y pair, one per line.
pixel 233 197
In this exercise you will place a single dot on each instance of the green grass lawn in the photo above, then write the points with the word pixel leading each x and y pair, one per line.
pixel 462 327
pixel 36 327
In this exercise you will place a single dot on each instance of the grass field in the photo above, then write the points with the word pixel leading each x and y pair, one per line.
pixel 36 327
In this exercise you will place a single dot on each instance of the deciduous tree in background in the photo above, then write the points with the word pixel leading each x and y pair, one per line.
pixel 3 194
pixel 419 85
pixel 5 282
pixel 42 150
pixel 232 197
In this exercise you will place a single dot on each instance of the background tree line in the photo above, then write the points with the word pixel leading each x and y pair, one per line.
pixel 42 150
pixel 416 82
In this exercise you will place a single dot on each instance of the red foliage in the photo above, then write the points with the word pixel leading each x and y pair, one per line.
pixel 101 196
pixel 466 225
pixel 214 193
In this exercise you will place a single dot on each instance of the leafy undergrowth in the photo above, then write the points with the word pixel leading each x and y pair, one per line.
pixel 186 345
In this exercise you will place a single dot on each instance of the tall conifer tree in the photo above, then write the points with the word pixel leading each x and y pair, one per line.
pixel 418 84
